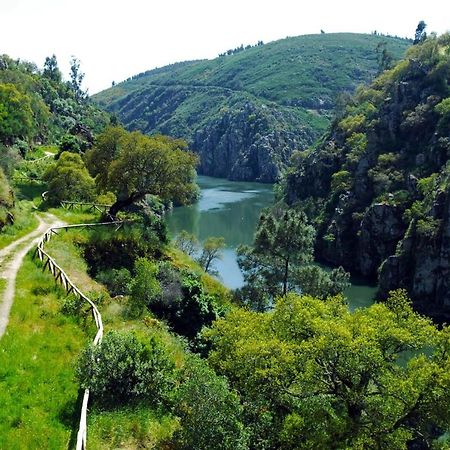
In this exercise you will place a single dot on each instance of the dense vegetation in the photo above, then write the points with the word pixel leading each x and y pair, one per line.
pixel 37 107
pixel 244 113
pixel 377 185
pixel 283 364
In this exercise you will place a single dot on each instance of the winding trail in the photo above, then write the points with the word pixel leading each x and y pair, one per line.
pixel 11 258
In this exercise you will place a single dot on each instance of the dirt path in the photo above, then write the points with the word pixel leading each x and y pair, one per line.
pixel 11 258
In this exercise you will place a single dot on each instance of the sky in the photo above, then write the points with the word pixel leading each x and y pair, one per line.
pixel 116 39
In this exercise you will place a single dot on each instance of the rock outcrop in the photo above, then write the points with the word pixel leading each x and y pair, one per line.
pixel 378 185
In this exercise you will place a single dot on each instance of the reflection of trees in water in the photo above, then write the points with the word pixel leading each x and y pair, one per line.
pixel 236 222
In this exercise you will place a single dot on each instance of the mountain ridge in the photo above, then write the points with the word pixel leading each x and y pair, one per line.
pixel 287 87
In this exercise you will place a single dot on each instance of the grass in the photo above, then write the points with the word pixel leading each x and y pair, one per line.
pixel 25 222
pixel 130 427
pixel 38 389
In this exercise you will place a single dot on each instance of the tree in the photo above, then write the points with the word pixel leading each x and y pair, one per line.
pixel 6 200
pixel 122 368
pixel 283 241
pixel 76 79
pixel 51 70
pixel 133 165
pixel 144 287
pixel 16 115
pixel 68 179
pixel 186 242
pixel 212 250
pixel 420 34
pixel 312 374
pixel 210 413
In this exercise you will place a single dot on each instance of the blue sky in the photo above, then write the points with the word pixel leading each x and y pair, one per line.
pixel 116 39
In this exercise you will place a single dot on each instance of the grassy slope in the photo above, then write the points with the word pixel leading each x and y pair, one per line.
pixel 283 71
pixel 39 395
pixel 306 71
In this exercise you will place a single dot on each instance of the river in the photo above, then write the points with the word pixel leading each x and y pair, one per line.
pixel 231 209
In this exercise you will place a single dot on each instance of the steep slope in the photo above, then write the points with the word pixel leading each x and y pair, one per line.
pixel 245 113
pixel 378 185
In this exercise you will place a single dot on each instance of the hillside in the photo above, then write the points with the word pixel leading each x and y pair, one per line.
pixel 378 184
pixel 246 112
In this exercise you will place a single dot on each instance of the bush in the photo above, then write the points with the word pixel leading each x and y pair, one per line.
pixel 69 179
pixel 108 249
pixel 116 280
pixel 210 413
pixel 123 368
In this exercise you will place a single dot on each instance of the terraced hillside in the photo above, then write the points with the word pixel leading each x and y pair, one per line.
pixel 246 112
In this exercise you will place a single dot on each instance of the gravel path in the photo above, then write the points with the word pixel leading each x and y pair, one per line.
pixel 11 258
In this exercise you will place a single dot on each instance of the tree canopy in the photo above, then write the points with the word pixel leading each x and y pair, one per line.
pixel 312 374
pixel 133 165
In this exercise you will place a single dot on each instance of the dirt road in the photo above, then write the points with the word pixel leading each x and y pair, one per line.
pixel 11 258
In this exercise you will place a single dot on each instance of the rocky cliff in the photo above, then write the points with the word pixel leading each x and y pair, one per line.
pixel 377 186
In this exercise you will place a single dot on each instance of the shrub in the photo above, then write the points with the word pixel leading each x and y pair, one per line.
pixel 122 368
pixel 210 413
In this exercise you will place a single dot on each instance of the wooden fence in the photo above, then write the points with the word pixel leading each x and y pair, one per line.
pixel 101 207
pixel 69 286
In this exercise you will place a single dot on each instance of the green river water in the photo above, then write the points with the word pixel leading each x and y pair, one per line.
pixel 231 209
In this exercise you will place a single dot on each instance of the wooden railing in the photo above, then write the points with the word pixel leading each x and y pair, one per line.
pixel 101 207
pixel 69 286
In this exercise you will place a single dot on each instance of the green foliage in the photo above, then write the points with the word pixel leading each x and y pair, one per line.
pixel 211 250
pixel 133 165
pixel 16 115
pixel 123 367
pixel 6 200
pixel 186 242
pixel 108 249
pixel 283 242
pixel 209 412
pixel 318 283
pixel 341 181
pixel 184 302
pixel 144 287
pixel 43 107
pixel 116 280
pixel 69 179
pixel 304 72
pixel 311 374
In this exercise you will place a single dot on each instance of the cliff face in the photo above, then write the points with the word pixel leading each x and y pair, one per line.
pixel 250 144
pixel 245 113
pixel 377 186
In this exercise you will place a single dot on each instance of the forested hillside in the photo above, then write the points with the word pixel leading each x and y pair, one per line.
pixel 38 108
pixel 245 112
pixel 378 183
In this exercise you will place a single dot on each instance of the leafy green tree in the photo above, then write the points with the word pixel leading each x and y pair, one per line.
pixel 122 368
pixel 144 287
pixel 321 284
pixel 68 179
pixel 76 79
pixel 212 248
pixel 210 413
pixel 283 242
pixel 51 69
pixel 385 58
pixel 16 115
pixel 133 165
pixel 186 242
pixel 312 374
